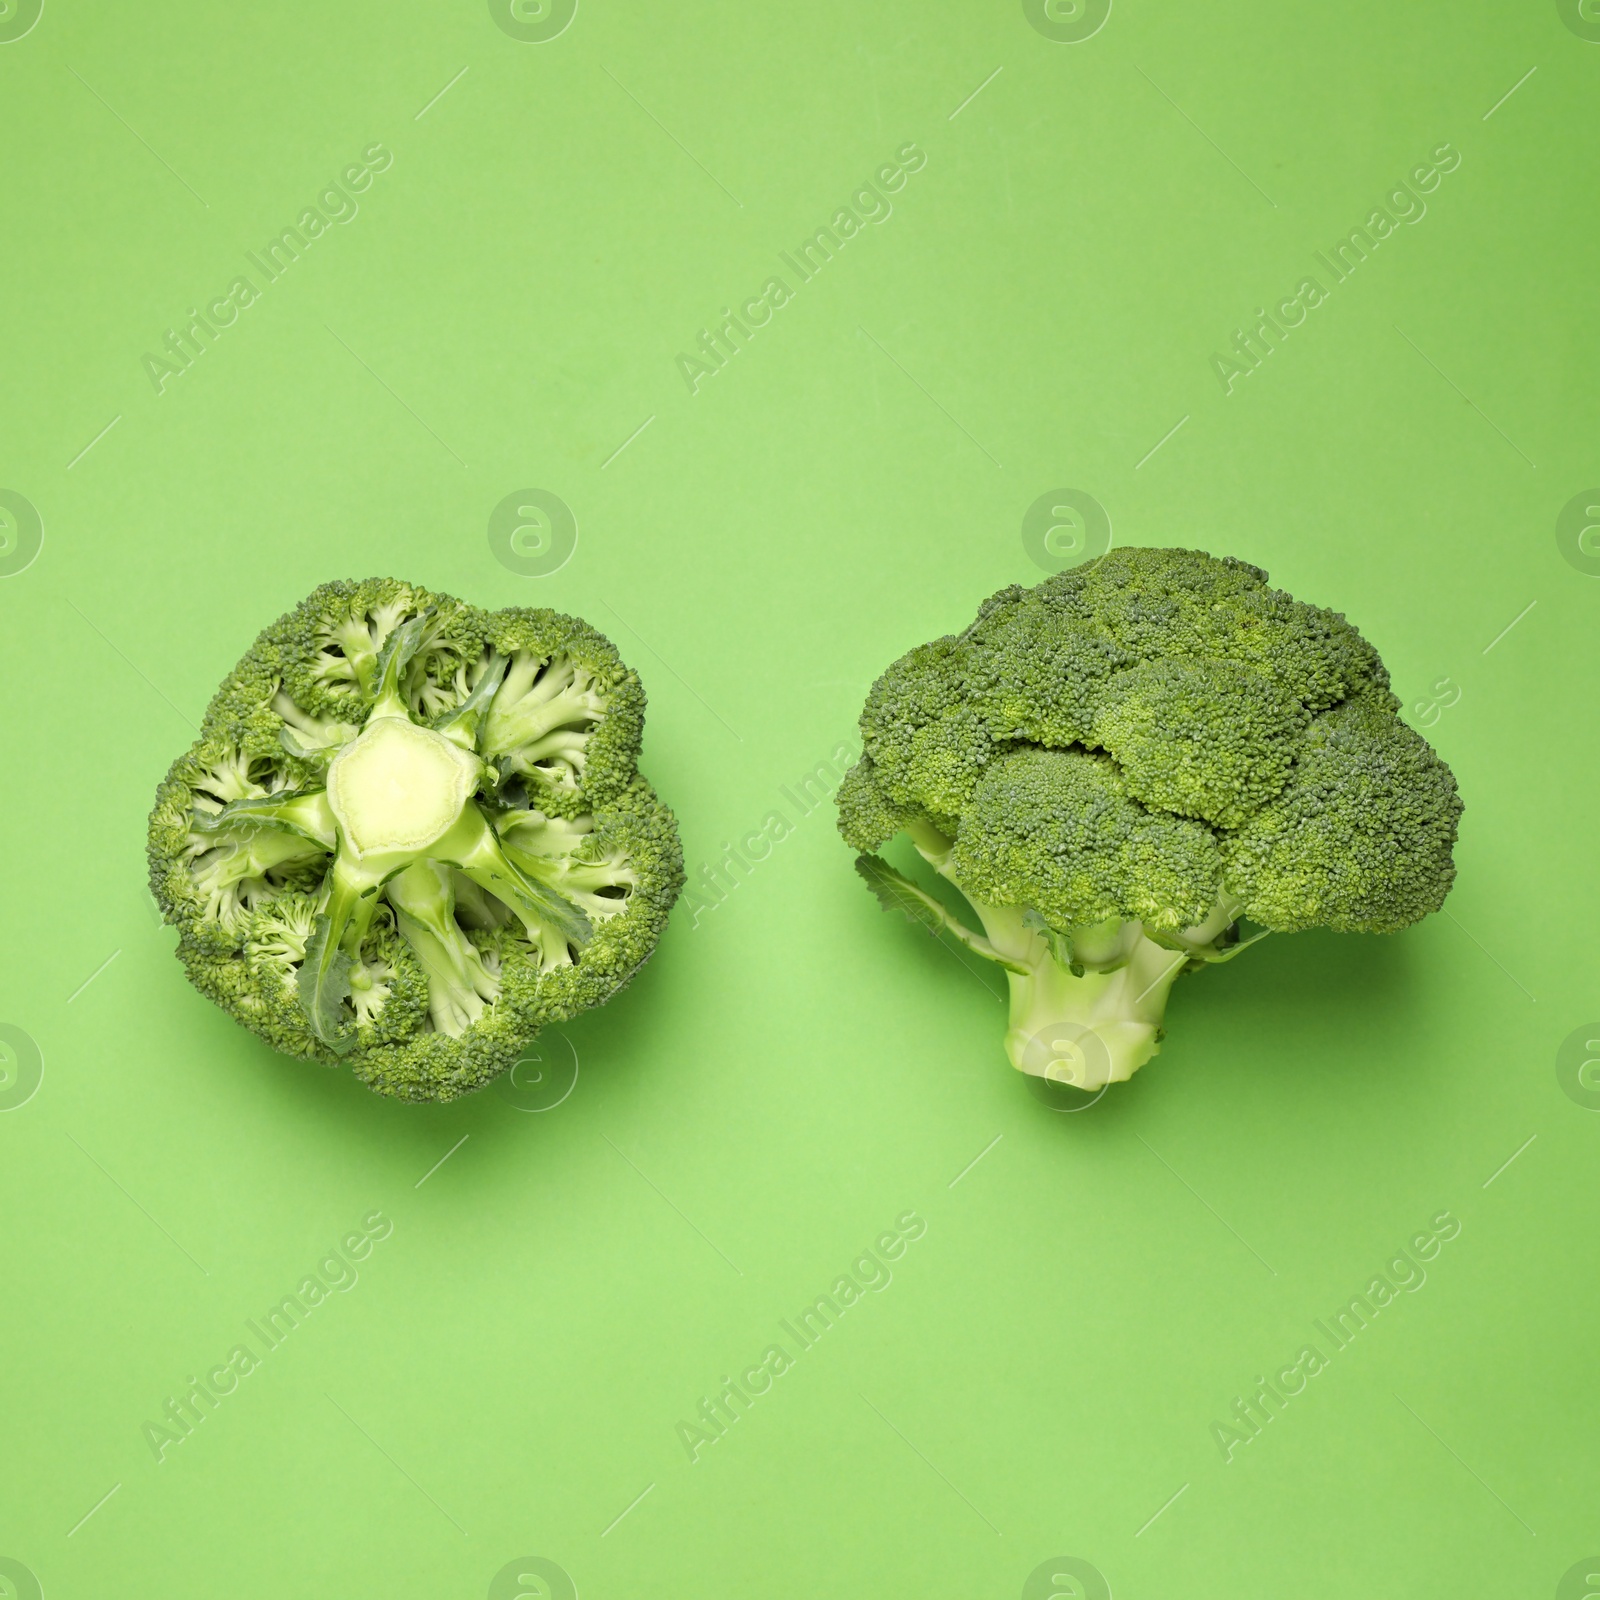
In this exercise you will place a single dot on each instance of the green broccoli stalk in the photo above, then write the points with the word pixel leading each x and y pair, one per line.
pixel 331 848
pixel 1118 767
pixel 1087 1001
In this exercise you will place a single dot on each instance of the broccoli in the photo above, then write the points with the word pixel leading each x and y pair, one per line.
pixel 1119 766
pixel 412 832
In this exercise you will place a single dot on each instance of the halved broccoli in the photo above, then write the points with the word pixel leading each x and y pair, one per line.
pixel 1118 766
pixel 412 832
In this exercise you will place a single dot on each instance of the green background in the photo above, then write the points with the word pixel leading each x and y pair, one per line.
pixel 794 1070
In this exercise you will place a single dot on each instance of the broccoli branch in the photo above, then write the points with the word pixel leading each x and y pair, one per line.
pixel 459 984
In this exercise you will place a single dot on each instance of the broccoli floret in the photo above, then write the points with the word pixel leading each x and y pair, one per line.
pixel 1038 666
pixel 331 642
pixel 595 873
pixel 388 988
pixel 868 819
pixel 275 944
pixel 565 720
pixel 635 866
pixel 930 741
pixel 1360 839
pixel 1199 737
pixel 209 876
pixel 1118 766
pixel 412 832
pixel 1058 831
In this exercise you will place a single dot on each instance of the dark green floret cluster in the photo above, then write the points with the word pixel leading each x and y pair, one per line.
pixel 412 832
pixel 1117 766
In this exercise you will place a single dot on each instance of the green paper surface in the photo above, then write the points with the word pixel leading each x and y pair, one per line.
pixel 478 364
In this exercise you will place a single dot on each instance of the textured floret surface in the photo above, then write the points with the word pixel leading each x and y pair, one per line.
pixel 1154 734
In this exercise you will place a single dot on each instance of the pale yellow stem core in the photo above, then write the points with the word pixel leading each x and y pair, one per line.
pixel 399 787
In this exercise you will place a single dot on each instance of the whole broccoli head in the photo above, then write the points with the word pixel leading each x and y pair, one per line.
pixel 412 832
pixel 1118 765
